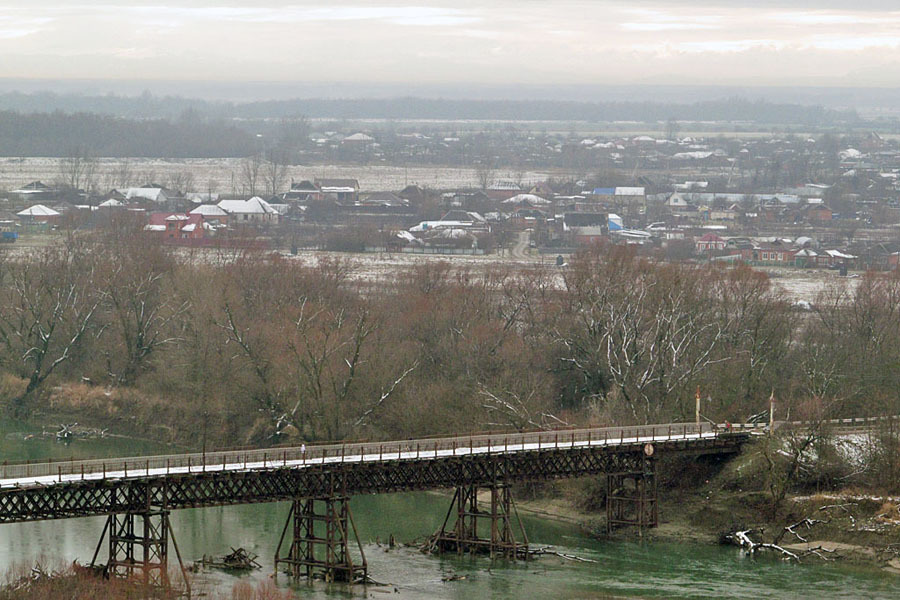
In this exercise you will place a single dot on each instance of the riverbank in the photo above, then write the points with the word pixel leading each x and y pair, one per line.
pixel 842 526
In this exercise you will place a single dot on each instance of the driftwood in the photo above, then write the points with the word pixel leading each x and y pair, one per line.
pixel 546 551
pixel 792 529
pixel 844 508
pixel 743 539
pixel 238 560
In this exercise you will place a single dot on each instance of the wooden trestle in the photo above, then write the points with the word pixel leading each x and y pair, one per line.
pixel 321 541
pixel 463 536
pixel 632 498
pixel 138 548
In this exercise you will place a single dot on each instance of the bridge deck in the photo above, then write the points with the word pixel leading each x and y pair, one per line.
pixel 52 490
pixel 66 471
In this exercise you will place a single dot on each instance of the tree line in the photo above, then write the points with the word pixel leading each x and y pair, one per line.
pixel 255 348
pixel 58 134
pixel 149 106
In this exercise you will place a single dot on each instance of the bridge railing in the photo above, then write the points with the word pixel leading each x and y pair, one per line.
pixel 351 452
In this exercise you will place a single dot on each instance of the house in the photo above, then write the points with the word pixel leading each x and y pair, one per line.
pixel 526 218
pixel 383 199
pixel 709 243
pixel 590 234
pixel 677 200
pixel 469 200
pixel 818 213
pixel 630 195
pixel 413 193
pixel 211 213
pixel 254 211
pixel 586 228
pixel 177 226
pixel 543 189
pixel 836 257
pixel 471 219
pixel 152 194
pixel 503 190
pixel 36 190
pixel 303 192
pixel 343 190
pixel 770 253
pixel 525 200
pixel 39 214
pixel 455 219
pixel 806 257
pixel 202 197
pixel 358 140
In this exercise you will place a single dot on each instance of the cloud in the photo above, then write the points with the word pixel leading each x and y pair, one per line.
pixel 13 26
pixel 451 40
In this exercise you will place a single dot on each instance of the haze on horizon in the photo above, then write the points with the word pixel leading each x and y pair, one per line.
pixel 681 42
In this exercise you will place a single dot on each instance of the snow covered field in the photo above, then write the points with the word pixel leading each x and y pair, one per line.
pixel 225 173
pixel 806 284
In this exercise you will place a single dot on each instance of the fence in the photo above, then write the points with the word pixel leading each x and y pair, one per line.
pixel 420 449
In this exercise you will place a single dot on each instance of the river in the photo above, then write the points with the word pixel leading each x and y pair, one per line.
pixel 622 569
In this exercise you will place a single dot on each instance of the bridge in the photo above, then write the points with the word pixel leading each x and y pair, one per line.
pixel 137 494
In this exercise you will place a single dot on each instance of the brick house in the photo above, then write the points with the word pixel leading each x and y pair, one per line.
pixel 709 243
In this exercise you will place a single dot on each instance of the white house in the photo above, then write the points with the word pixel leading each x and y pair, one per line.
pixel 255 210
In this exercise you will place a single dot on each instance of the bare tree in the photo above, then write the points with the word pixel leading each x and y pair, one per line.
pixel 642 333
pixel 672 128
pixel 181 181
pixel 77 170
pixel 275 170
pixel 123 173
pixel 250 172
pixel 485 173
pixel 50 303
pixel 132 283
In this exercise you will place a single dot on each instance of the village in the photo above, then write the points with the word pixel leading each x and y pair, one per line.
pixel 783 201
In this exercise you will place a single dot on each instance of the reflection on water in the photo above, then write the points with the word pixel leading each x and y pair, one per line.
pixel 622 569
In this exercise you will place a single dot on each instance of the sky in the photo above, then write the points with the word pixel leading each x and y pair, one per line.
pixel 680 42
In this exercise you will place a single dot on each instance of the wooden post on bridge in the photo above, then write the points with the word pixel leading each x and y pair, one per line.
pixel 771 410
pixel 697 407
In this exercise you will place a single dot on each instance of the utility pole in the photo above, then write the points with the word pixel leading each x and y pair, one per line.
pixel 697 406
pixel 771 410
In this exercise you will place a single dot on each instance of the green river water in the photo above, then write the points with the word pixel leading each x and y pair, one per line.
pixel 622 570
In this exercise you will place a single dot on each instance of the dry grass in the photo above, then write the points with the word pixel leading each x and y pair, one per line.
pixel 72 582
pixel 889 512
pixel 265 590
pixel 80 396
pixel 11 387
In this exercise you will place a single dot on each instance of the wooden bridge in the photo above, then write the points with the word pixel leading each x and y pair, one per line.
pixel 137 494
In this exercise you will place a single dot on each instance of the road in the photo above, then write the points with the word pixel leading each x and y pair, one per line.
pixel 520 250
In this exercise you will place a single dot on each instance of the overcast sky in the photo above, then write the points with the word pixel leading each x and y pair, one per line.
pixel 744 42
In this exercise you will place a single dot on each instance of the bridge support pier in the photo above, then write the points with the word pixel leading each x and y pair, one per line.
pixel 631 498
pixel 463 535
pixel 138 546
pixel 320 541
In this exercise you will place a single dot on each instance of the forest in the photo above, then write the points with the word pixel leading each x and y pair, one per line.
pixel 243 347
pixel 151 106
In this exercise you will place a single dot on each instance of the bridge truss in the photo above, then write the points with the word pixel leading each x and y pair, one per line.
pixel 319 482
